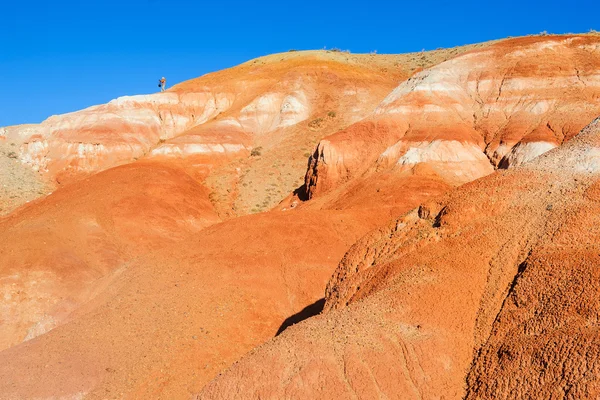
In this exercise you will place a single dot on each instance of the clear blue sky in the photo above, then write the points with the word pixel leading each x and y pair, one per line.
pixel 61 56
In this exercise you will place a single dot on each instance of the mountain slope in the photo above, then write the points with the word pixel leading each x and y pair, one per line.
pixel 473 277
pixel 60 250
pixel 282 104
pixel 493 107
pixel 143 277
pixel 171 320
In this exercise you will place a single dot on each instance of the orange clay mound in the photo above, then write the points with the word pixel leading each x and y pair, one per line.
pixel 487 292
pixel 58 252
pixel 170 321
pixel 87 244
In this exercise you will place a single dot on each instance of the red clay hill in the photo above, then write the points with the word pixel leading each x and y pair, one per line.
pixel 487 292
pixel 465 255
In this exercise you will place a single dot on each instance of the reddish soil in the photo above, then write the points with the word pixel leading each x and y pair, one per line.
pixel 143 276
pixel 170 321
pixel 493 284
pixel 60 250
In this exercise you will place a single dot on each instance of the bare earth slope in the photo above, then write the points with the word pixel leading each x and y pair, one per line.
pixel 202 123
pixel 497 106
pixel 172 320
pixel 58 251
pixel 124 283
pixel 67 256
pixel 281 104
pixel 18 183
pixel 492 285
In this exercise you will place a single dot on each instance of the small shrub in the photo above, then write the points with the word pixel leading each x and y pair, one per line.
pixel 292 50
pixel 257 151
pixel 12 154
pixel 315 123
pixel 306 155
pixel 331 114
pixel 335 50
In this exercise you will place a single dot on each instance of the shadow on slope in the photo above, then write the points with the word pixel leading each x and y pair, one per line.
pixel 307 312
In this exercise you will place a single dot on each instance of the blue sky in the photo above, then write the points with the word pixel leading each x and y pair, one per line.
pixel 62 56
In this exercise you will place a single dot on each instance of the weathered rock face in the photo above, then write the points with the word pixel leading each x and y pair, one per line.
pixel 252 99
pixel 59 252
pixel 547 329
pixel 493 284
pixel 284 104
pixel 494 107
pixel 122 130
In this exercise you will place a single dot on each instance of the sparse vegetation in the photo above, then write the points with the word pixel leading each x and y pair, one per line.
pixel 257 151
pixel 315 123
pixel 12 154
